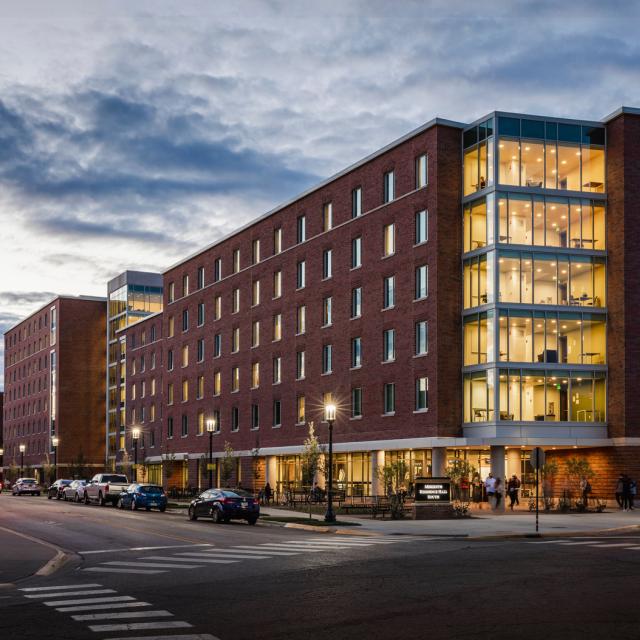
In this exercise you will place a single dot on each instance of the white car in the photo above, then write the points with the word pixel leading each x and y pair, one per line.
pixel 74 491
pixel 26 485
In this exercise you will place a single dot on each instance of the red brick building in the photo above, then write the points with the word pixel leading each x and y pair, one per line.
pixel 55 387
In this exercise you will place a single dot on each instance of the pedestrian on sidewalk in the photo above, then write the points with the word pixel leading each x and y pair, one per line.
pixel 267 493
pixel 513 487
pixel 633 489
pixel 619 489
pixel 498 490
pixel 585 487
pixel 626 493
pixel 490 489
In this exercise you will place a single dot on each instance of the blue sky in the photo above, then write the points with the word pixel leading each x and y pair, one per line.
pixel 132 133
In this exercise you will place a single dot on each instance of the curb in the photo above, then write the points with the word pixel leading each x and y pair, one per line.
pixel 563 534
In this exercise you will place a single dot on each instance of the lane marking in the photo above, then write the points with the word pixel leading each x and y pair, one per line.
pixel 98 607
pixel 573 544
pixel 68 586
pixel 62 603
pixel 140 626
pixel 107 570
pixel 257 549
pixel 123 615
pixel 213 554
pixel 191 636
pixel 289 547
pixel 199 560
pixel 607 546
pixel 171 546
pixel 150 565
pixel 66 594
pixel 331 545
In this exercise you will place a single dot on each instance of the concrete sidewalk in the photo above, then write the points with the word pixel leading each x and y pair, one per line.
pixel 483 523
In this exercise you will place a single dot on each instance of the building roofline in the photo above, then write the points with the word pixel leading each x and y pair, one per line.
pixel 621 110
pixel 50 302
pixel 407 136
pixel 531 116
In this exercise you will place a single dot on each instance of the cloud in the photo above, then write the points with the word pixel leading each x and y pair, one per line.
pixel 22 298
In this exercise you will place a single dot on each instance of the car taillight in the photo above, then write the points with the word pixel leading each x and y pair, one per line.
pixel 106 488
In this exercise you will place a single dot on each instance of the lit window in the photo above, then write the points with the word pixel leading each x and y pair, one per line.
pixel 217 345
pixel 301 317
pixel 327 358
pixel 200 423
pixel 422 176
pixel 389 240
pixel 422 287
pixel 422 337
pixel 301 275
pixel 422 229
pixel 356 352
pixel 277 240
pixel 389 399
pixel 422 394
pixel 356 252
pixel 185 285
pixel 255 293
pixel 236 260
pixel 300 365
pixel 255 251
pixel 236 301
pixel 389 186
pixel 217 383
pixel 389 292
pixel 300 411
pixel 277 370
pixel 356 202
pixel 255 333
pixel 185 355
pixel 326 263
pixel 389 345
pixel 326 311
pixel 185 391
pixel 356 302
pixel 277 326
pixel 171 293
pixel 217 308
pixel 277 284
pixel 301 229
pixel 171 329
pixel 235 340
pixel 255 375
pixel 327 217
pixel 170 393
pixel 200 389
pixel 235 379
pixel 356 402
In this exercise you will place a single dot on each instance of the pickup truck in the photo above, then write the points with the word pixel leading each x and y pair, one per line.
pixel 105 487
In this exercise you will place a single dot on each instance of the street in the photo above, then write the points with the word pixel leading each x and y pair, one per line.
pixel 152 575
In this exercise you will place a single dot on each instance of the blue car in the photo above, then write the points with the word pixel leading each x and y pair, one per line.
pixel 139 496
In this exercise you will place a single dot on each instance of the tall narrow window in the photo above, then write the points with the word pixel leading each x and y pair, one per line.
pixel 327 304
pixel 217 307
pixel 277 241
pixel 235 303
pixel 422 168
pixel 301 229
pixel 185 285
pixel 422 394
pixel 255 375
pixel 277 370
pixel 217 383
pixel 185 391
pixel 255 293
pixel 170 360
pixel 236 260
pixel 389 292
pixel 217 345
pixel 422 287
pixel 235 340
pixel 356 202
pixel 327 217
pixel 200 350
pixel 326 263
pixel 200 277
pixel 301 276
pixel 422 337
pixel 185 355
pixel 185 319
pixel 389 398
pixel 356 402
pixel 200 388
pixel 301 319
pixel 235 418
pixel 200 423
pixel 255 333
pixel 300 410
pixel 356 352
pixel 255 416
pixel 277 413
pixel 235 379
pixel 170 393
pixel 422 229
pixel 277 284
pixel 217 269
pixel 389 242
pixel 300 368
pixel 356 252
pixel 169 427
pixel 200 314
pixel 327 358
pixel 277 327
pixel 185 426
pixel 389 345
pixel 356 302
pixel 171 328
pixel 389 186
pixel 255 251
pixel 171 295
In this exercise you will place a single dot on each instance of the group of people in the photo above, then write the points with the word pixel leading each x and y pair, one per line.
pixel 626 489
pixel 494 490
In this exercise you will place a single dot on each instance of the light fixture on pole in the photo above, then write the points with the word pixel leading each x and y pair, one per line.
pixel 54 443
pixel 1 462
pixel 135 434
pixel 22 448
pixel 211 427
pixel 330 416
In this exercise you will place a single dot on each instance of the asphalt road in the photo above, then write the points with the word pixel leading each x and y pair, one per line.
pixel 152 575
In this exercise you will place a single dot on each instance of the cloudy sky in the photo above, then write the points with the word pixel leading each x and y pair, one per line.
pixel 133 132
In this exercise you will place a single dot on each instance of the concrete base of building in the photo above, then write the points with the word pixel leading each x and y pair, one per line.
pixel 433 511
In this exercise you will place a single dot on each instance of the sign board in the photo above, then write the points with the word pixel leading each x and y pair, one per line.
pixel 537 458
pixel 433 490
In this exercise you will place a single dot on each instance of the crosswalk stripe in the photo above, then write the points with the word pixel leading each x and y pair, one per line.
pixel 68 586
pixel 171 546
pixel 140 626
pixel 190 636
pixel 213 554
pixel 99 607
pixel 123 615
pixel 110 570
pixel 259 549
pixel 200 561
pixel 543 541
pixel 607 546
pixel 66 594
pixel 324 545
pixel 150 565
pixel 573 544
pixel 329 544
pixel 62 603
pixel 355 539
pixel 289 547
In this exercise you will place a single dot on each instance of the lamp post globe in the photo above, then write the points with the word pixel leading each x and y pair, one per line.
pixel 330 416
pixel 22 448
pixel 211 427
pixel 135 435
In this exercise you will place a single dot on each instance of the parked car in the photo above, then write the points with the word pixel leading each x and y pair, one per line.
pixel 74 491
pixel 223 505
pixel 26 485
pixel 104 488
pixel 138 496
pixel 56 489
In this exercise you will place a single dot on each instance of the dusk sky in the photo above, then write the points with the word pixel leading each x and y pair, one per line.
pixel 132 133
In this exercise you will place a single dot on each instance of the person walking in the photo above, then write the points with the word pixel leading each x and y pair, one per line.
pixel 626 493
pixel 267 493
pixel 490 489
pixel 513 487
pixel 619 489
pixel 498 490
pixel 633 489
pixel 585 487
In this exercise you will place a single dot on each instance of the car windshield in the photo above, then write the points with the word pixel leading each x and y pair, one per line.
pixel 28 481
pixel 150 488
pixel 122 479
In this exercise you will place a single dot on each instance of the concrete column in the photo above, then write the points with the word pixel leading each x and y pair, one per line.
pixel 270 474
pixel 377 462
pixel 513 463
pixel 498 471
pixel 438 462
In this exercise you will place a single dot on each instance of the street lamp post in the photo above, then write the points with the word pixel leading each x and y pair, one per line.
pixel 211 427
pixel 330 416
pixel 2 465
pixel 22 450
pixel 54 443
pixel 135 434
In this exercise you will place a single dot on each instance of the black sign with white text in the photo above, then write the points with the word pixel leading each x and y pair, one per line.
pixel 433 490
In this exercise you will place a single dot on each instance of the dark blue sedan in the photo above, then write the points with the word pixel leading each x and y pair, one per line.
pixel 223 505
pixel 143 496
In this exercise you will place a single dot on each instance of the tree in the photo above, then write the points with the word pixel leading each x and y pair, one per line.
pixel 393 475
pixel 48 470
pixel 460 470
pixel 255 464
pixel 580 473
pixel 311 458
pixel 226 466
pixel 548 472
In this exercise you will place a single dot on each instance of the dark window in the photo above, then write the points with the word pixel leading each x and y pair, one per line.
pixel 277 417
pixel 185 425
pixel 593 135
pixel 470 137
pixel 568 132
pixel 509 126
pixel 170 359
pixel 533 129
pixel 200 314
pixel 255 416
pixel 552 130
pixel 185 320
pixel 235 419
pixel 170 427
pixel 200 277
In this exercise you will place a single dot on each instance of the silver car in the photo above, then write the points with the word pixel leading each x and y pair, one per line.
pixel 75 491
pixel 26 485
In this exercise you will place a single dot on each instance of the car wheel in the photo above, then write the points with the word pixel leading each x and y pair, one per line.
pixel 192 514
pixel 119 504
pixel 86 499
pixel 252 521
pixel 49 496
pixel 134 506
pixel 162 509
pixel 101 501
pixel 218 518
pixel 147 508
pixel 38 494
pixel 58 497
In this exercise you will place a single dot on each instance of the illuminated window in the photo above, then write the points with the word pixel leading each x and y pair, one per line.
pixel 277 370
pixel 255 293
pixel 326 263
pixel 300 410
pixel 236 260
pixel 301 274
pixel 255 375
pixel 421 171
pixel 326 311
pixel 235 379
pixel 185 355
pixel 301 317
pixel 277 240
pixel 277 326
pixel 255 251
pixel 217 383
pixel 327 217
pixel 235 305
pixel 277 284
pixel 356 252
pixel 389 234
pixel 422 394
pixel 235 340
pixel 300 365
pixel 255 333
pixel 185 391
pixel 217 307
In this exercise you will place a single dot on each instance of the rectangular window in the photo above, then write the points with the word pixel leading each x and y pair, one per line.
pixel 356 352
pixel 236 260
pixel 217 308
pixel 216 420
pixel 200 277
pixel 422 168
pixel 300 410
pixel 200 388
pixel 277 413
pixel 235 418
pixel 422 287
pixel 255 416
pixel 356 252
pixel 301 276
pixel 356 402
pixel 185 391
pixel 301 229
pixel 356 302
pixel 389 186
pixel 301 319
pixel 217 345
pixel 200 423
pixel 422 337
pixel 200 314
pixel 255 293
pixel 171 329
pixel 300 365
pixel 255 251
pixel 277 327
pixel 185 320
pixel 389 345
pixel 277 241
pixel 185 355
pixel 170 360
pixel 422 228
pixel 277 284
pixel 326 263
pixel 356 202
pixel 389 292
pixel 152 418
pixel 235 379
pixel 169 427
pixel 171 294
pixel 255 333
pixel 200 350
pixel 235 340
pixel 327 217
pixel 389 244
pixel 277 370
pixel 326 311
pixel 217 383
pixel 170 393
pixel 327 358
pixel 153 386
pixel 389 398
pixel 185 285
pixel 422 394
pixel 255 375
pixel 217 269
pixel 235 303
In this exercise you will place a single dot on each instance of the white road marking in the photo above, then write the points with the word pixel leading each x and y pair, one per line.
pixel 191 636
pixel 329 544
pixel 258 549
pixel 607 546
pixel 149 565
pixel 62 603
pixel 289 547
pixel 573 544
pixel 66 594
pixel 123 615
pixel 543 541
pixel 99 607
pixel 213 554
pixel 350 540
pixel 107 570
pixel 205 560
pixel 140 626
pixel 172 546
pixel 68 586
